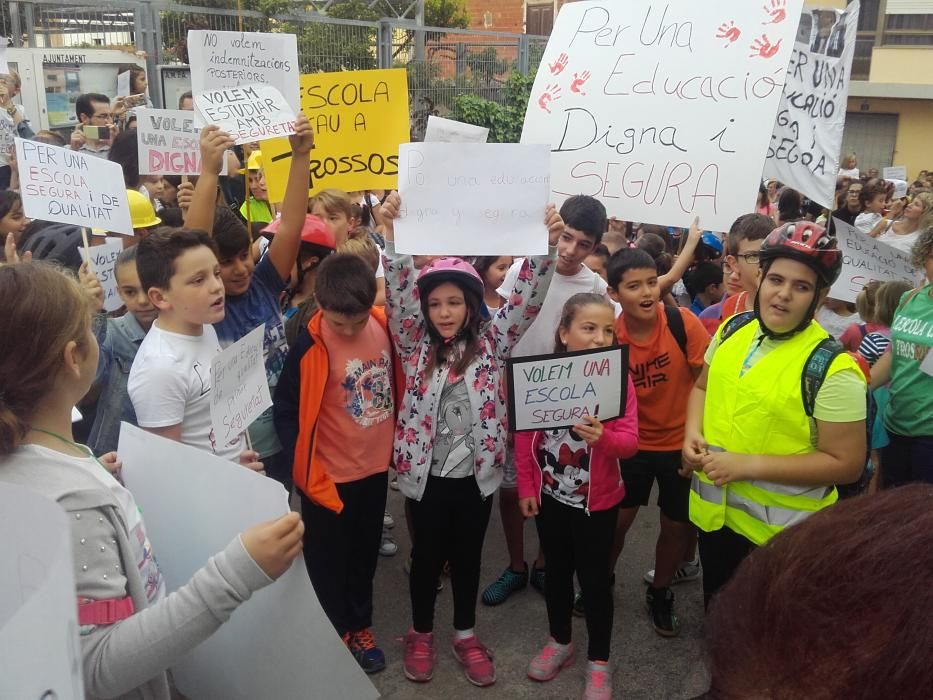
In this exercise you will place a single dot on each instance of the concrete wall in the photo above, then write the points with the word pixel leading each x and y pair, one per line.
pixel 902 64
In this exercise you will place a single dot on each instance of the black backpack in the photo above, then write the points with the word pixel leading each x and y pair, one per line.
pixel 814 374
pixel 675 324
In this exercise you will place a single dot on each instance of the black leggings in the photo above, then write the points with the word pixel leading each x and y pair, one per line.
pixel 574 541
pixel 721 553
pixel 449 525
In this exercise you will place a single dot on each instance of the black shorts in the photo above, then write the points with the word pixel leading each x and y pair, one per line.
pixel 639 474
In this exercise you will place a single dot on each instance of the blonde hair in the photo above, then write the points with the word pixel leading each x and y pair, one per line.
pixel 45 309
pixel 926 218
pixel 865 301
pixel 361 246
pixel 334 201
pixel 849 161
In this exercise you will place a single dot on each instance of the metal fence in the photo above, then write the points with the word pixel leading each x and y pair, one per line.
pixel 441 63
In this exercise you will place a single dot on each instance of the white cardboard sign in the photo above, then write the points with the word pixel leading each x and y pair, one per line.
pixel 123 84
pixel 249 113
pixel 461 198
pixel 194 504
pixel 559 391
pixel 39 648
pixel 103 262
pixel 239 387
pixel 662 110
pixel 807 138
pixel 229 59
pixel 864 259
pixel 70 187
pixel 895 172
pixel 451 131
pixel 169 142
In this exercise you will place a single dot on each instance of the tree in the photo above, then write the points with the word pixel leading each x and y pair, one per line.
pixel 503 119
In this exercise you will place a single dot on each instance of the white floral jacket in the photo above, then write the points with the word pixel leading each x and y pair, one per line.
pixel 414 431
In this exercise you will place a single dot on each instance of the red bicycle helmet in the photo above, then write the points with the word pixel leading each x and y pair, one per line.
pixel 314 230
pixel 807 243
pixel 454 270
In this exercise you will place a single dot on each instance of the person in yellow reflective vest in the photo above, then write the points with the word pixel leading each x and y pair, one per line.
pixel 760 463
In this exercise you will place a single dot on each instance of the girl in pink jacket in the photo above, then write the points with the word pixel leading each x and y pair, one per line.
pixel 569 479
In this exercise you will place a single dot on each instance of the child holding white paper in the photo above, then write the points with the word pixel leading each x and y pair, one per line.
pixel 450 437
pixel 130 631
pixel 569 480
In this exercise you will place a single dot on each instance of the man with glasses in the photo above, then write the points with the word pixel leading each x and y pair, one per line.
pixel 93 110
pixel 740 269
pixel 851 207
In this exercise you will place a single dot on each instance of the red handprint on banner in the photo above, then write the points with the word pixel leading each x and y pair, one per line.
pixel 558 66
pixel 550 94
pixel 578 81
pixel 729 31
pixel 777 11
pixel 763 47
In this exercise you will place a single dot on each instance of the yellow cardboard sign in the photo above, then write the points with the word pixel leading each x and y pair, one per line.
pixel 359 119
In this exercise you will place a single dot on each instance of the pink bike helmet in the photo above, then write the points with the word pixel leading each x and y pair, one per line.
pixel 454 270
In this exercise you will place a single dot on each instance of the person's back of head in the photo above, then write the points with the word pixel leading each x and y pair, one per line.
pixel 52 138
pixel 887 299
pixel 362 247
pixel 84 105
pixel 345 284
pixel 44 310
pixel 125 151
pixel 828 609
pixel 157 253
pixel 748 227
pixel 657 248
pixel 789 204
pixel 865 301
pixel 627 259
pixel 585 214
pixel 230 234
pixel 701 277
pixel 183 99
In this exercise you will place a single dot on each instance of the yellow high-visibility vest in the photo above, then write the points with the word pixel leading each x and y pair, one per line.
pixel 761 413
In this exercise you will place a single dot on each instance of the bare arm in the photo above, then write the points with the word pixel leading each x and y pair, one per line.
pixel 695 447
pixel 881 370
pixel 172 432
pixel 669 279
pixel 214 145
pixel 283 251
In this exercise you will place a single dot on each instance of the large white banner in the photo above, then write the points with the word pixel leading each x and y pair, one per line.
pixel 279 644
pixel 472 199
pixel 70 187
pixel 662 110
pixel 807 138
pixel 865 259
pixel 40 655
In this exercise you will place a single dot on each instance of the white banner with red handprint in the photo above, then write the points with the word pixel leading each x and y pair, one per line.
pixel 662 110
pixel 807 138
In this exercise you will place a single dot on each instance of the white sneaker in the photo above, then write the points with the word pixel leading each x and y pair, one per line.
pixel 388 522
pixel 388 548
pixel 687 571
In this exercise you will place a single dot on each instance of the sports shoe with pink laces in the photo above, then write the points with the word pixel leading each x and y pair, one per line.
pixel 550 660
pixel 598 682
pixel 476 660
pixel 419 656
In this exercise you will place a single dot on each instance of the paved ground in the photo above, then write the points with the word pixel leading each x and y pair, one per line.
pixel 645 665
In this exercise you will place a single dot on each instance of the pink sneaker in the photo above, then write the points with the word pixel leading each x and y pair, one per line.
pixel 550 660
pixel 598 682
pixel 419 656
pixel 476 660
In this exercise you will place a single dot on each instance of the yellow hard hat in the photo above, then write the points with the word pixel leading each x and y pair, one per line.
pixel 254 162
pixel 142 213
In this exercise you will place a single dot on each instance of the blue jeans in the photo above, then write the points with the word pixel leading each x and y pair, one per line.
pixel 907 460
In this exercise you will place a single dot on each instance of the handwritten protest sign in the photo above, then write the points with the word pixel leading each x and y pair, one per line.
pixel 221 60
pixel 250 113
pixel 70 187
pixel 194 504
pixel 168 143
pixel 558 391
pixel 807 138
pixel 450 131
pixel 458 199
pixel 662 110
pixel 865 259
pixel 4 66
pixel 39 647
pixel 240 390
pixel 895 172
pixel 359 119
pixel 103 262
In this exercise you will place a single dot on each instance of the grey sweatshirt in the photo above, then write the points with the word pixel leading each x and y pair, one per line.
pixel 128 659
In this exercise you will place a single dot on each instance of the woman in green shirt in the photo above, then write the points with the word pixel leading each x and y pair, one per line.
pixel 908 365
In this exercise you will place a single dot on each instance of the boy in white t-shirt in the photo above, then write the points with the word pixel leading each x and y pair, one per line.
pixel 170 381
pixel 584 224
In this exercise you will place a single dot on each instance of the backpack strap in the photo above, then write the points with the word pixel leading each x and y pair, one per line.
pixel 675 324
pixel 735 323
pixel 816 369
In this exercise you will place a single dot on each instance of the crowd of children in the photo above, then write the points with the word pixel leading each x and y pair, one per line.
pixel 740 405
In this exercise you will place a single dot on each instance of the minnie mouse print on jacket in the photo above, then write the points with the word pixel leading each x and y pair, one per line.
pixel 603 488
pixel 417 417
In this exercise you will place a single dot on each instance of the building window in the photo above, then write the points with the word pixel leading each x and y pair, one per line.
pixel 539 19
pixel 909 30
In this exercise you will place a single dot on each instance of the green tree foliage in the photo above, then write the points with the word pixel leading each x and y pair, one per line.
pixel 503 118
